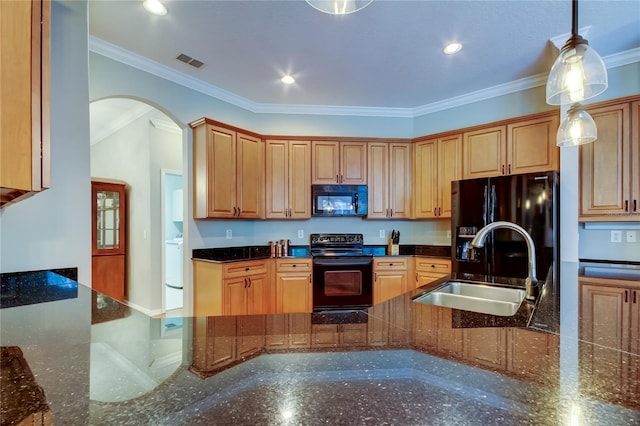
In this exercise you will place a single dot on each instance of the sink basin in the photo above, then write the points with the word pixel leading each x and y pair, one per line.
pixel 486 299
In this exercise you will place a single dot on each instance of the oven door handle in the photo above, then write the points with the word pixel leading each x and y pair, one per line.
pixel 347 260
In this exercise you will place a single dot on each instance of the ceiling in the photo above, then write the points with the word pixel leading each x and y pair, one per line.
pixel 383 60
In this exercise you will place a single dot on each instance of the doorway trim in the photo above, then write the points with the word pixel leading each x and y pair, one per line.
pixel 163 219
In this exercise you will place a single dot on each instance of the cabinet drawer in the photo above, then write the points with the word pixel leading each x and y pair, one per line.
pixel 241 269
pixel 293 265
pixel 390 264
pixel 442 266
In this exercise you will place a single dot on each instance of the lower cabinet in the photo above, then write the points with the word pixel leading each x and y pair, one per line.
pixel 609 317
pixel 288 331
pixel 293 286
pixel 390 278
pixel 389 324
pixel 335 335
pixel 430 269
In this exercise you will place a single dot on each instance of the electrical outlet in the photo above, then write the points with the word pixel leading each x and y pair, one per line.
pixel 616 236
pixel 631 236
pixel 449 234
pixel 300 233
pixel 229 234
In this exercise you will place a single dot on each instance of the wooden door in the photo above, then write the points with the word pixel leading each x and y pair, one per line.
pixel 388 284
pixel 325 167
pixel 221 172
pixel 214 343
pixel 353 163
pixel 108 275
pixel 604 175
pixel 484 153
pixel 277 179
pixel 449 338
pixel 425 325
pixel 251 335
pixel 449 169
pixel 378 179
pixel 293 292
pixel 635 160
pixel 261 299
pixel 235 296
pixel 250 176
pixel 604 334
pixel 400 180
pixel 378 325
pixel 353 334
pixel 531 145
pixel 299 184
pixel 534 355
pixel 485 346
pixel 324 335
pixel 425 181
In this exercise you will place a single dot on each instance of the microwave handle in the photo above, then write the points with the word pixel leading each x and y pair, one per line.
pixel 355 202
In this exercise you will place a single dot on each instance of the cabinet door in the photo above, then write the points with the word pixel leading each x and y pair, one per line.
pixel 108 275
pixel 533 354
pixel 235 296
pixel 378 170
pixel 261 298
pixel 485 346
pixel 221 172
pixel 532 146
pixel 604 178
pixel 400 180
pixel 250 176
pixel 604 332
pixel 635 160
pixel 299 194
pixel 353 163
pixel 277 179
pixel 449 169
pixel 293 293
pixel 425 325
pixel 214 342
pixel 484 153
pixel 353 334
pixel 324 335
pixel 425 181
pixel 325 167
pixel 389 284
pixel 251 335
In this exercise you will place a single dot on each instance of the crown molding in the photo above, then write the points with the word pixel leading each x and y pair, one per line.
pixel 166 125
pixel 120 122
pixel 142 63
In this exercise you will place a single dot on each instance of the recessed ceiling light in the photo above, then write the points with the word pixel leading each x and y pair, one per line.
pixel 452 48
pixel 287 79
pixel 155 7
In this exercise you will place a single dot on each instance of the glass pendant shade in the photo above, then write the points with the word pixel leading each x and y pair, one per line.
pixel 339 7
pixel 578 128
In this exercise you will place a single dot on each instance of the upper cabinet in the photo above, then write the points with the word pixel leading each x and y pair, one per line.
pixel 228 172
pixel 24 99
pixel 610 167
pixel 389 180
pixel 336 162
pixel 288 179
pixel 520 147
pixel 436 162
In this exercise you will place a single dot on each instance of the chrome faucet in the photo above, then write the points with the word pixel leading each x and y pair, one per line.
pixel 531 281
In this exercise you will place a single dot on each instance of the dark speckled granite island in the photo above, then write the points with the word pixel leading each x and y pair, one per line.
pixel 95 361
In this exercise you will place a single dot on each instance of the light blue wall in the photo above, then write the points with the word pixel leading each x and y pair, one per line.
pixel 53 229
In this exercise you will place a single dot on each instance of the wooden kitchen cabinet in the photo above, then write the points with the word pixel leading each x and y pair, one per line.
pixel 610 167
pixel 235 288
pixel 337 335
pixel 436 162
pixel 609 331
pixel 293 285
pixel 336 162
pixel 214 343
pixel 525 146
pixel 533 354
pixel 429 269
pixel 287 331
pixel 25 68
pixel 390 324
pixel 485 346
pixel 390 277
pixel 288 179
pixel 251 335
pixel 389 180
pixel 228 172
pixel 246 288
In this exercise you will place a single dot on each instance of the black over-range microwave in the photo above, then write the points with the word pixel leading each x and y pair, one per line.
pixel 339 200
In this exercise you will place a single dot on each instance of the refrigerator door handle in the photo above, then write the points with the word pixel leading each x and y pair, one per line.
pixel 485 213
pixel 492 204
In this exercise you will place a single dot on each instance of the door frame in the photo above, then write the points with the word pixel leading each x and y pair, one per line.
pixel 163 218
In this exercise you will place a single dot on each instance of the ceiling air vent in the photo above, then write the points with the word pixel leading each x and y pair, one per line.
pixel 189 60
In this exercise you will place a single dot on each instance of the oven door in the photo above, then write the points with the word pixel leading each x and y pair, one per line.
pixel 342 282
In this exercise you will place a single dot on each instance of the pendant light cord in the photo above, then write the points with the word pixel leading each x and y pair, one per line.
pixel 574 18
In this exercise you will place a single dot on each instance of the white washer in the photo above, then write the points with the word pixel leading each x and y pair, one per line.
pixel 173 274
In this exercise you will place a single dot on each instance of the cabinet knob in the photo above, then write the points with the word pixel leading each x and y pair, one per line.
pixel 626 205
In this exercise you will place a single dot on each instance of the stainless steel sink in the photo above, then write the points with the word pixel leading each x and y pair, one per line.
pixel 486 299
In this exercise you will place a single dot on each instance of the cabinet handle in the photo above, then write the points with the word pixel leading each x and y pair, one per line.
pixel 626 296
pixel 416 277
pixel 245 282
pixel 626 205
pixel 247 268
pixel 390 212
pixel 375 277
pixel 435 211
pixel 503 169
pixel 635 205
pixel 439 211
pixel 509 168
pixel 635 293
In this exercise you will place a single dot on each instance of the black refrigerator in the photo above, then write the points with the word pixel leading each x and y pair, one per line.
pixel 529 200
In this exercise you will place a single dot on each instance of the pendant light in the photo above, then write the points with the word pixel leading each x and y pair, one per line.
pixel 339 7
pixel 579 72
pixel 578 128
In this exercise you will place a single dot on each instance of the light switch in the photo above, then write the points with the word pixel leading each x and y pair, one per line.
pixel 616 236
pixel 631 236
pixel 382 233
pixel 300 233
pixel 229 234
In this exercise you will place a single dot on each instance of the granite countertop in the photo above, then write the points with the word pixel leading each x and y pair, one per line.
pixel 398 362
pixel 242 253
